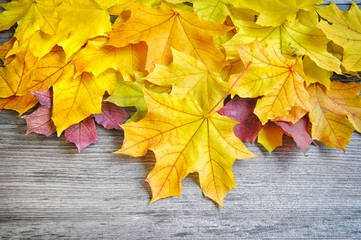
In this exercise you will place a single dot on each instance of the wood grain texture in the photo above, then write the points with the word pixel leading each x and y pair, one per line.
pixel 49 191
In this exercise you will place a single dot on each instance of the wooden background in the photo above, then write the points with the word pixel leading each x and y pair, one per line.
pixel 48 190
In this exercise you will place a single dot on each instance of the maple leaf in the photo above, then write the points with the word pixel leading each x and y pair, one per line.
pixel 76 99
pixel 299 132
pixel 97 58
pixel 111 117
pixel 294 115
pixel 4 50
pixel 189 75
pixel 185 139
pixel 299 37
pixel 270 136
pixel 82 134
pixel 343 27
pixel 14 76
pixel 31 16
pixel 241 110
pixel 40 121
pixel 130 94
pixel 91 17
pixel 25 73
pixel 279 80
pixel 276 12
pixel 162 29
pixel 334 113
pixel 21 104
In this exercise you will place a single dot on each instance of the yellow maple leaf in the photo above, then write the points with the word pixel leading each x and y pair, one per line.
pixel 274 13
pixel 91 17
pixel 299 37
pixel 97 58
pixel 189 75
pixel 21 104
pixel 334 113
pixel 279 80
pixel 130 94
pixel 31 16
pixel 162 29
pixel 76 99
pixel 270 136
pixel 185 139
pixel 15 76
pixel 343 27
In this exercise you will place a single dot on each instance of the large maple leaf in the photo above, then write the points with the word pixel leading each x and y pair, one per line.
pixel 343 27
pixel 162 28
pixel 189 75
pixel 185 139
pixel 279 80
pixel 299 37
pixel 335 113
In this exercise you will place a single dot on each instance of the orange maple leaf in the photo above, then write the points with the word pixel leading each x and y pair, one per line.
pixel 162 28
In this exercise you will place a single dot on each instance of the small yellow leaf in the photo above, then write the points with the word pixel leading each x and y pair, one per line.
pixel 270 136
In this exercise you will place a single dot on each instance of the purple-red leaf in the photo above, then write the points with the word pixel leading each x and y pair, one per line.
pixel 40 121
pixel 299 131
pixel 241 110
pixel 45 97
pixel 111 116
pixel 82 134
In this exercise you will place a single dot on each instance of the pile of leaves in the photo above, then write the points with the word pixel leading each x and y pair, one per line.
pixel 203 76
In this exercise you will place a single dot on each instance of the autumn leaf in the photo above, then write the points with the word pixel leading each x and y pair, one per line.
pixel 130 94
pixel 335 113
pixel 274 13
pixel 279 80
pixel 82 134
pixel 111 117
pixel 299 37
pixel 31 16
pixel 45 97
pixel 298 131
pixel 241 110
pixel 14 76
pixel 97 58
pixel 92 20
pixel 185 139
pixel 40 121
pixel 271 136
pixel 343 27
pixel 162 29
pixel 189 75
pixel 76 99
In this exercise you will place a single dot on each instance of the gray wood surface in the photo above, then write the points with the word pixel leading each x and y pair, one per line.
pixel 48 191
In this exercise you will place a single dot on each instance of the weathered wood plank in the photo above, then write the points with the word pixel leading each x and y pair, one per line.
pixel 48 190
